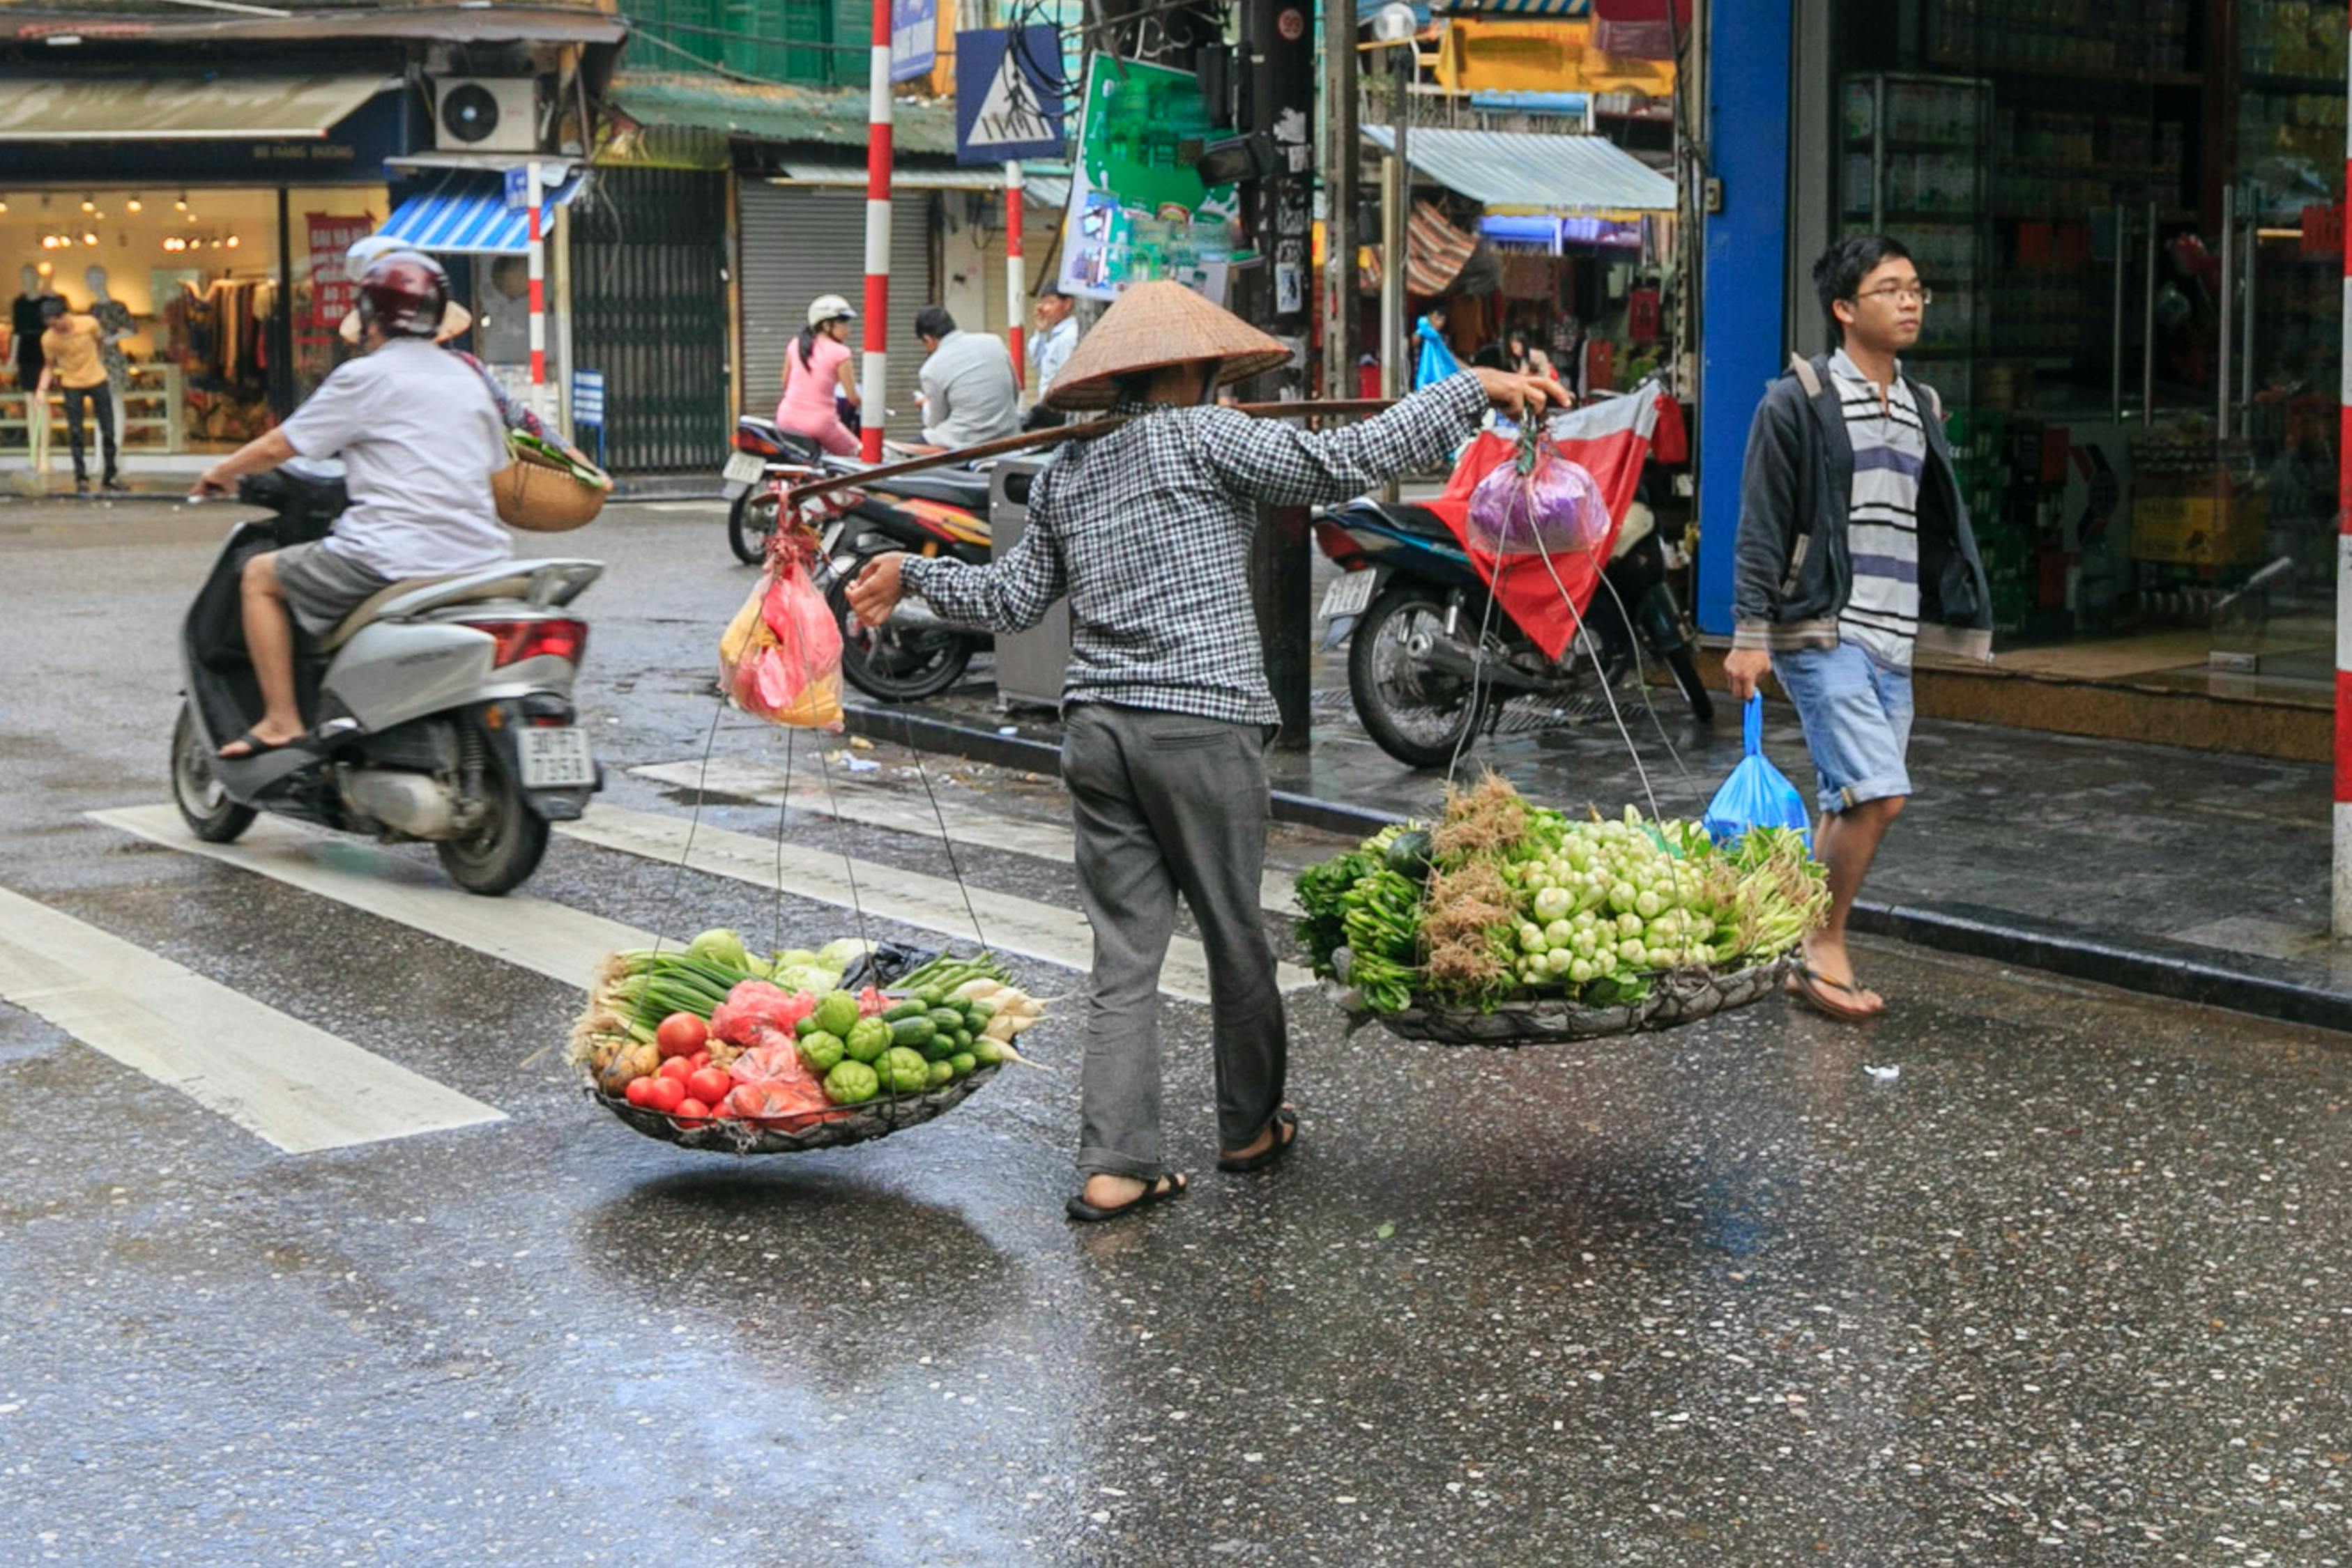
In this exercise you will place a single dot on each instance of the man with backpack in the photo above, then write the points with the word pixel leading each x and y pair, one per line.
pixel 1854 552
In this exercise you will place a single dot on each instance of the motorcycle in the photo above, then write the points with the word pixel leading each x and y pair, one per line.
pixel 763 453
pixel 1415 609
pixel 440 710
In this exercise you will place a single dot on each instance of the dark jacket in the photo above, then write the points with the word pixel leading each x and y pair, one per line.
pixel 1793 574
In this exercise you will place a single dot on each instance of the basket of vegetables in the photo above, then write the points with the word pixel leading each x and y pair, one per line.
pixel 711 1047
pixel 1509 924
pixel 548 489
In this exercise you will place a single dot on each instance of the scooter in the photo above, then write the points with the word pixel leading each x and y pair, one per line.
pixel 762 455
pixel 439 711
pixel 1415 609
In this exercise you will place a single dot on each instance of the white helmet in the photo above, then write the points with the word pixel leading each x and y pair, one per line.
pixel 829 308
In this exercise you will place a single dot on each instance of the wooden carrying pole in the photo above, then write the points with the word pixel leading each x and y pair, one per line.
pixel 1025 441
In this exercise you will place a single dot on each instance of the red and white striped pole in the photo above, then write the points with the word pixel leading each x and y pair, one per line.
pixel 537 254
pixel 2340 883
pixel 1017 281
pixel 874 383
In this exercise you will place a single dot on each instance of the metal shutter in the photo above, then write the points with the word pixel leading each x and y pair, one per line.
pixel 798 241
pixel 648 308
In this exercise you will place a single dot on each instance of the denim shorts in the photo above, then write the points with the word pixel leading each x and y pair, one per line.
pixel 1857 717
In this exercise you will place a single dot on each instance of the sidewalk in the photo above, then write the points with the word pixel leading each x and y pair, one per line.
pixel 2181 873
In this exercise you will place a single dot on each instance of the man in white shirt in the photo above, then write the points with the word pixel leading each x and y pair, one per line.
pixel 420 438
pixel 970 394
pixel 1057 334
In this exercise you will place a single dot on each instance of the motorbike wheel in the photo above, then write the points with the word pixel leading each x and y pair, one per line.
pixel 500 854
pixel 203 805
pixel 1695 692
pixel 751 523
pixel 1419 715
pixel 887 664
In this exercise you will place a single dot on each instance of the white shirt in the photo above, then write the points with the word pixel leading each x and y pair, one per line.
pixel 1051 350
pixel 419 437
pixel 969 392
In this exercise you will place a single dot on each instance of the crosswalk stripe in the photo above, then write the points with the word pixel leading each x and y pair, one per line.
pixel 1012 924
pixel 854 802
pixel 298 1087
pixel 551 939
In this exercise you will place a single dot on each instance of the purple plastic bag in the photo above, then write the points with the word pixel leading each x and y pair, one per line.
pixel 1554 508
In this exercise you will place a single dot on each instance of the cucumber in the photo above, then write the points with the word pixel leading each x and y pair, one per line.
pixel 913 1007
pixel 963 1039
pixel 947 1018
pixel 914 1032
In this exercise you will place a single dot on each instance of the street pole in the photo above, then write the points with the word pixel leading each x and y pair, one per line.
pixel 1341 160
pixel 874 382
pixel 2340 888
pixel 537 283
pixel 1396 188
pixel 1017 282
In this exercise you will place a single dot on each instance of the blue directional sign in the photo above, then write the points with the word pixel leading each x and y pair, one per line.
pixel 1008 94
pixel 914 38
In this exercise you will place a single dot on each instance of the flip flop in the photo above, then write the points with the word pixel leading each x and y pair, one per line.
pixel 1285 1127
pixel 1810 986
pixel 255 746
pixel 1167 1189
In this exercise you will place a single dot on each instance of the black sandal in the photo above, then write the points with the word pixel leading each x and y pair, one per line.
pixel 255 746
pixel 1286 1121
pixel 1167 1189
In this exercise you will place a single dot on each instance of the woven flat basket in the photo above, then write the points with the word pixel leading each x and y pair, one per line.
pixel 541 499
pixel 836 1128
pixel 1682 997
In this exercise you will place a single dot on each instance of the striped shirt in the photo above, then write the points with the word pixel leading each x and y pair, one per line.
pixel 1890 453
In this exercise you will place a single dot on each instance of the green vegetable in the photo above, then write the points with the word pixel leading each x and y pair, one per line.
pixel 721 945
pixel 910 1009
pixel 913 1031
pixel 1409 853
pixel 842 954
pixel 850 1081
pixel 962 1062
pixel 943 1073
pixel 987 1052
pixel 903 1072
pixel 823 1052
pixel 866 1039
pixel 836 1012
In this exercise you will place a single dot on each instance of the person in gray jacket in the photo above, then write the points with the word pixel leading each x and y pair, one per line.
pixel 1854 552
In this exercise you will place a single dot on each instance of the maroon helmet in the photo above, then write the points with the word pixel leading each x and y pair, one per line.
pixel 404 294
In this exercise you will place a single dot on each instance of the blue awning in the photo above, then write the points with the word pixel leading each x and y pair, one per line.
pixel 466 213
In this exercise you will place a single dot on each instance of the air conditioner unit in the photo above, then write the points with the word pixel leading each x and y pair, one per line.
pixel 485 114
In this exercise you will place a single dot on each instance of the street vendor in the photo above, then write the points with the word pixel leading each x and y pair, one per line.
pixel 1166 714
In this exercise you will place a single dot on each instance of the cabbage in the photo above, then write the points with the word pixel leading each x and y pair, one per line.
pixel 842 954
pixel 813 978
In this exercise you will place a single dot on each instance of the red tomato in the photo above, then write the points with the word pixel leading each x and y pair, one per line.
pixel 710 1085
pixel 693 1113
pixel 678 1067
pixel 700 1060
pixel 664 1095
pixel 680 1034
pixel 635 1093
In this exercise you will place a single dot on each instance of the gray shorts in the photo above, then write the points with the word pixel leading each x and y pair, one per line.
pixel 322 588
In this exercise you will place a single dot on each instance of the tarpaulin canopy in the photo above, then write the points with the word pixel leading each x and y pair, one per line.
pixel 466 213
pixel 1527 171
pixel 115 109
pixel 1040 189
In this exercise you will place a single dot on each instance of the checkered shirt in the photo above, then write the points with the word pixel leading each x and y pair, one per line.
pixel 1148 531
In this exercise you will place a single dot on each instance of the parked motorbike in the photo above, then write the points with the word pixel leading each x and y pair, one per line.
pixel 915 654
pixel 763 453
pixel 439 711
pixel 1415 609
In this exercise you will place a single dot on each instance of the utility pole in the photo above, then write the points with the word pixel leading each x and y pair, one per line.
pixel 1276 61
pixel 1341 161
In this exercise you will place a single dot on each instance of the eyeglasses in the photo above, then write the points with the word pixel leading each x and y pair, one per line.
pixel 1897 292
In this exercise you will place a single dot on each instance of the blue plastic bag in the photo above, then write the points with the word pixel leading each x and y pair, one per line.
pixel 1757 795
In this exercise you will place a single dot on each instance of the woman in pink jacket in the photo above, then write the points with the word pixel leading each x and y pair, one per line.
pixel 816 371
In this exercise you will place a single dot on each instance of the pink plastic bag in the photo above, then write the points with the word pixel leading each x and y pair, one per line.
pixel 1547 504
pixel 781 656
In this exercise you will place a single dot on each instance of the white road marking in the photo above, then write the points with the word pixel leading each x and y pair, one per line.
pixel 891 809
pixel 298 1087
pixel 1012 924
pixel 552 939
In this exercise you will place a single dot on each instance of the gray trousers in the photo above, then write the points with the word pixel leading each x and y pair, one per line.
pixel 1167 803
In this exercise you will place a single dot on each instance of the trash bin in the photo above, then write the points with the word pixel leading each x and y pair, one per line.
pixel 1030 664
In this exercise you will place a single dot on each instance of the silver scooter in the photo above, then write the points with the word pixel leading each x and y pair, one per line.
pixel 439 711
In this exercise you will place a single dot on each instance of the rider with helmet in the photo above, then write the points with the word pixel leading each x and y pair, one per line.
pixel 420 439
pixel 816 371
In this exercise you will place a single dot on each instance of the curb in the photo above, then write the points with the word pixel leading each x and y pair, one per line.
pixel 2148 966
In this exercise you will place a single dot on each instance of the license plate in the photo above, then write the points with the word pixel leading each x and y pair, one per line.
pixel 1349 595
pixel 556 760
pixel 744 468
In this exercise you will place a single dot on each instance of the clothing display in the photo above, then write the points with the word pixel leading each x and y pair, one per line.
pixel 25 325
pixel 114 322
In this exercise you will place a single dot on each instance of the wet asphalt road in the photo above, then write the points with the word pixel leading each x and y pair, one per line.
pixel 2069 1286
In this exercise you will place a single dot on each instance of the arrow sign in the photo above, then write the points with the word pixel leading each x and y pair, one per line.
pixel 1008 94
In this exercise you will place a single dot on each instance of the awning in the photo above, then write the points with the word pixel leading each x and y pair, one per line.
pixel 1525 172
pixel 774 113
pixel 1042 190
pixel 466 215
pixel 105 109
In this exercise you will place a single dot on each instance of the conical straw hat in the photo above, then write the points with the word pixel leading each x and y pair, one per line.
pixel 1157 324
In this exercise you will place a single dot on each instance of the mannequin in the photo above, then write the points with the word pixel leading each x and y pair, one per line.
pixel 114 327
pixel 25 326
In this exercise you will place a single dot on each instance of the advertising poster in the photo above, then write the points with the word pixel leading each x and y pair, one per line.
pixel 1138 212
pixel 332 295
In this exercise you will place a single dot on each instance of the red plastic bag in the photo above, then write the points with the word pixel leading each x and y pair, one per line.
pixel 781 656
pixel 1542 503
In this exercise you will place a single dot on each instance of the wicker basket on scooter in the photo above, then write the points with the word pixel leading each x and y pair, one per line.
pixel 1676 998
pixel 835 1128
pixel 537 495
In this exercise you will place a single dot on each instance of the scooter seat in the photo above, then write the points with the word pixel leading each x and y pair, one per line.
pixel 967 490
pixel 371 606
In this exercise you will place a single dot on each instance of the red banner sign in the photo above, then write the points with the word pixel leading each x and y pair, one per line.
pixel 332 294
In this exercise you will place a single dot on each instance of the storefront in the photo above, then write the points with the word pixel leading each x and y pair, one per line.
pixel 2131 220
pixel 216 239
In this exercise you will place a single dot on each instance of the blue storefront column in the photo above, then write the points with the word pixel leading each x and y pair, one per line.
pixel 1743 306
